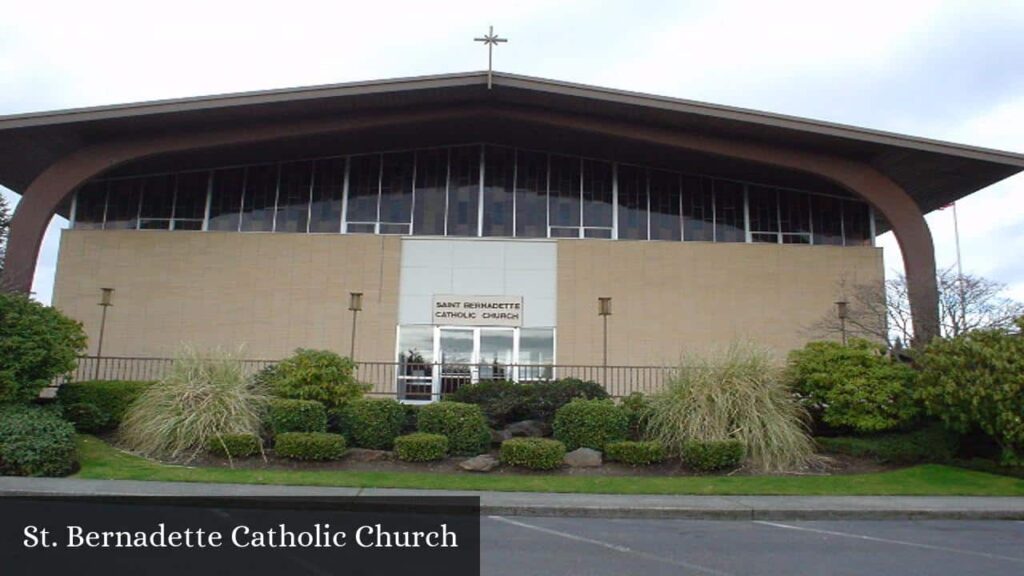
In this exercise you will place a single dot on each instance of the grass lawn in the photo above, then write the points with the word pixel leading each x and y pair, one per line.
pixel 101 461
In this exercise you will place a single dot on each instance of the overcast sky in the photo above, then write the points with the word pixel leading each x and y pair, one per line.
pixel 947 70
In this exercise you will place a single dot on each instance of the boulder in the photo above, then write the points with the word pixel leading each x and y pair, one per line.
pixel 528 428
pixel 499 436
pixel 481 463
pixel 583 458
pixel 367 455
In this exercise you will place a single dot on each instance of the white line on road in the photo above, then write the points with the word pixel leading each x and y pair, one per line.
pixel 610 546
pixel 888 541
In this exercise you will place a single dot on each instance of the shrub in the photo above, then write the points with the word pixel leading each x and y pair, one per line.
pixel 235 445
pixel 85 416
pixel 412 417
pixel 421 447
pixel 463 424
pixel 318 375
pixel 637 410
pixel 930 444
pixel 533 453
pixel 502 401
pixel 285 415
pixel 200 398
pixel 310 445
pixel 110 398
pixel 543 399
pixel 711 455
pixel 735 394
pixel 373 423
pixel 977 381
pixel 635 453
pixel 37 344
pixel 590 424
pixel 855 387
pixel 35 442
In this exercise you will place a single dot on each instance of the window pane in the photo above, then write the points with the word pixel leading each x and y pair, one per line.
pixel 564 191
pixel 698 216
pixel 293 197
pixel 90 204
pixel 431 183
pixel 396 188
pixel 827 215
pixel 328 192
pixel 855 223
pixel 226 202
pixel 665 202
pixel 537 347
pixel 157 202
pixel 400 229
pixel 363 188
pixel 764 213
pixel 597 193
pixel 495 354
pixel 416 346
pixel 795 213
pixel 729 221
pixel 597 233
pixel 260 197
pixel 565 232
pixel 464 191
pixel 499 172
pixel 632 203
pixel 123 198
pixel 531 194
pixel 190 200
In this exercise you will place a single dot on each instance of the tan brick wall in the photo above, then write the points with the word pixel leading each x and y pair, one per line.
pixel 669 298
pixel 271 293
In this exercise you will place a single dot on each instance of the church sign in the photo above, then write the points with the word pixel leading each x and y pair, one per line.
pixel 450 310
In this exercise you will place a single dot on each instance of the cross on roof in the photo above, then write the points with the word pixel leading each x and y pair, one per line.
pixel 491 40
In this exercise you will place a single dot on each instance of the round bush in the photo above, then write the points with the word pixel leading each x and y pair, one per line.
pixel 310 445
pixel 235 445
pixel 590 424
pixel 533 453
pixel 110 397
pixel 35 442
pixel 463 424
pixel 285 415
pixel 502 401
pixel 421 447
pixel 319 375
pixel 85 416
pixel 635 453
pixel 37 344
pixel 711 455
pixel 544 398
pixel 372 423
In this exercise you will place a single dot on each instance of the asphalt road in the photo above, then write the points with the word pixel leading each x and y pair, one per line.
pixel 524 546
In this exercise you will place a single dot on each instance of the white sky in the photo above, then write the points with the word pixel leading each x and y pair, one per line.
pixel 946 70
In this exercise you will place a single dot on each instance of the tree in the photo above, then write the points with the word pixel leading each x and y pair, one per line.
pixel 5 226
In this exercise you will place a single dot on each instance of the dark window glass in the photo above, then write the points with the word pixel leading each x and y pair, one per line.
pixel 665 204
pixel 123 198
pixel 464 191
pixel 827 216
pixel 260 198
pixel 856 226
pixel 226 199
pixel 157 202
pixel 763 204
pixel 795 217
pixel 293 197
pixel 90 205
pixel 698 214
pixel 401 229
pixel 396 189
pixel 328 192
pixel 597 194
pixel 597 232
pixel 363 189
pixel 531 194
pixel 499 184
pixel 632 203
pixel 431 183
pixel 565 232
pixel 564 191
pixel 729 220
pixel 354 228
pixel 190 200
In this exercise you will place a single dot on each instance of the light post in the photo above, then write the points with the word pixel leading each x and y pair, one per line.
pixel 106 297
pixel 842 312
pixel 604 309
pixel 355 304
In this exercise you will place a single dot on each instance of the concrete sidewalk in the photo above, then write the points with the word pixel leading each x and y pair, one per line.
pixel 580 505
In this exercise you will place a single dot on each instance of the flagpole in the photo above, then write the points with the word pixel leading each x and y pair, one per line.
pixel 959 270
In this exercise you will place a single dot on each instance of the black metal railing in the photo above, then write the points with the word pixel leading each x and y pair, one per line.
pixel 403 380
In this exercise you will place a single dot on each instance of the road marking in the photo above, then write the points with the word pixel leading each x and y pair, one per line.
pixel 888 541
pixel 610 546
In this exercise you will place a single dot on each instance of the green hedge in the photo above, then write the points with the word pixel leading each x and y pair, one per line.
pixel 35 442
pixel 931 444
pixel 370 423
pixel 319 375
pixel 503 401
pixel 235 445
pixel 463 424
pixel 590 424
pixel 284 415
pixel 533 453
pixel 110 398
pixel 635 453
pixel 711 455
pixel 421 447
pixel 310 445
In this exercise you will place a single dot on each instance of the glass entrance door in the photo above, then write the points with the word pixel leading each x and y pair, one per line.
pixel 496 353
pixel 457 358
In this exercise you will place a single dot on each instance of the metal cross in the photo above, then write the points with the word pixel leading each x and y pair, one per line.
pixel 491 40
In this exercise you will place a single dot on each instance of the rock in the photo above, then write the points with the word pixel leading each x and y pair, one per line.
pixel 367 455
pixel 528 428
pixel 481 463
pixel 583 458
pixel 499 436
